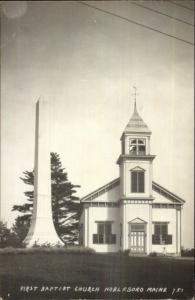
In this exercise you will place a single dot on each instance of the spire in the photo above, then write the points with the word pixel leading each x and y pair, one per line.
pixel 135 94
pixel 136 123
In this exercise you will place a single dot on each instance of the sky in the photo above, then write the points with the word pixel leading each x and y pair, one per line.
pixel 85 63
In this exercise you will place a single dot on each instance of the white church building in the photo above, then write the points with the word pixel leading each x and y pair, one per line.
pixel 132 212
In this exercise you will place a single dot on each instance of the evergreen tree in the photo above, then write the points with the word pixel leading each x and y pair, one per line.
pixel 65 205
pixel 8 238
pixel 21 226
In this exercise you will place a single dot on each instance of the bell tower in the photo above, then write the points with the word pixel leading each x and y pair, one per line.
pixel 135 165
pixel 135 161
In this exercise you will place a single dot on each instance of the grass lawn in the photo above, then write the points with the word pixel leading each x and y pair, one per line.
pixel 101 271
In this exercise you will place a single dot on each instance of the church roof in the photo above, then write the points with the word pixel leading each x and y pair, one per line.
pixel 155 186
pixel 136 123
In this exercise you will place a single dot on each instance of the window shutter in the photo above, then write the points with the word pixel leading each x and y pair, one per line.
pixel 157 230
pixel 134 182
pixel 164 229
pixel 108 228
pixel 168 240
pixel 101 228
pixel 141 182
pixel 113 239
pixel 95 238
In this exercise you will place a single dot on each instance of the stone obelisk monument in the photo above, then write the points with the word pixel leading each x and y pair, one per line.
pixel 42 229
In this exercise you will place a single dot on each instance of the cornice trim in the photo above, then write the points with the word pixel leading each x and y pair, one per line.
pixel 123 157
pixel 133 133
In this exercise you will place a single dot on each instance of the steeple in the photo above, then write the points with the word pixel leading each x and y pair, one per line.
pixel 135 160
pixel 136 123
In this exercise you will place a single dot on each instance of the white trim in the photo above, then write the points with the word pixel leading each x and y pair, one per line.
pixel 137 168
pixel 134 221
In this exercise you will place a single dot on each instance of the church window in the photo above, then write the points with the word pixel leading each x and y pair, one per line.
pixel 161 236
pixel 104 234
pixel 137 181
pixel 137 147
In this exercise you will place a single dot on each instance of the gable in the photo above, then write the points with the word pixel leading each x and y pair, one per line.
pixel 163 195
pixel 111 192
pixel 138 169
pixel 158 198
pixel 111 195
pixel 108 193
pixel 137 221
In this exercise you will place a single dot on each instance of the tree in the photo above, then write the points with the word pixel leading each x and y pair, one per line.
pixel 65 205
pixel 187 252
pixel 8 238
pixel 21 226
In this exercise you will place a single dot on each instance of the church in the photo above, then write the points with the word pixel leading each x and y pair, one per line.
pixel 132 212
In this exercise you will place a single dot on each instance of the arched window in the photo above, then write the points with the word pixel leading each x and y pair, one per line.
pixel 137 180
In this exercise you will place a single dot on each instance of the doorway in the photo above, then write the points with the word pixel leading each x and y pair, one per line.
pixel 137 237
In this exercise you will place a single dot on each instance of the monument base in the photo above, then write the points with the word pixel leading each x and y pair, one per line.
pixel 42 233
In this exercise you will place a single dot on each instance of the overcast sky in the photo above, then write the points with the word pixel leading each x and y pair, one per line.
pixel 85 63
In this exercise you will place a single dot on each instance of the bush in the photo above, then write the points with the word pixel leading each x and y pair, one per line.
pixel 153 254
pixel 187 252
pixel 48 250
pixel 125 252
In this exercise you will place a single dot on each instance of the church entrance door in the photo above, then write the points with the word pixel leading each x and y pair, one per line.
pixel 137 237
